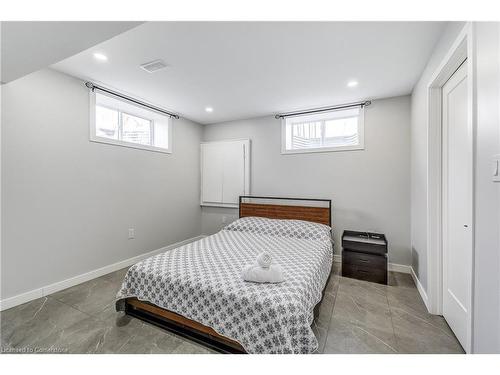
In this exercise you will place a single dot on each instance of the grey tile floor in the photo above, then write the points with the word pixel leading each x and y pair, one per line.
pixel 353 317
pixel 361 317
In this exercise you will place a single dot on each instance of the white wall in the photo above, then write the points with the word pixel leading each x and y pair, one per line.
pixel 370 189
pixel 487 193
pixel 419 161
pixel 67 203
pixel 486 291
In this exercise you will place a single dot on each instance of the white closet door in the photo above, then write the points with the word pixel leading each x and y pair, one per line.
pixel 225 172
pixel 212 173
pixel 233 184
pixel 457 207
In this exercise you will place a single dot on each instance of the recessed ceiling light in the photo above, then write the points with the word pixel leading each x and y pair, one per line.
pixel 352 83
pixel 209 109
pixel 100 56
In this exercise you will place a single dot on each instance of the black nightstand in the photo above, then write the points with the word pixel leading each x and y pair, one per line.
pixel 364 256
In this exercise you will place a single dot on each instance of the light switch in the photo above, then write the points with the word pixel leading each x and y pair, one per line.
pixel 496 168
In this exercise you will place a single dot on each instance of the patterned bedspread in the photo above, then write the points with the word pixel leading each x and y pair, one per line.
pixel 202 281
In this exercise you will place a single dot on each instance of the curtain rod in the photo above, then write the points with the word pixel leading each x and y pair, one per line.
pixel 324 109
pixel 93 87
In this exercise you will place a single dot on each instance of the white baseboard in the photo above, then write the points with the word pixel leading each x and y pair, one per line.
pixel 420 288
pixel 19 299
pixel 394 267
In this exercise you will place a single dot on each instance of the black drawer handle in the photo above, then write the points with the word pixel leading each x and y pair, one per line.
pixel 363 271
pixel 364 260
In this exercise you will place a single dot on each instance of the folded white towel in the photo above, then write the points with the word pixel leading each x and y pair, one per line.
pixel 264 259
pixel 258 274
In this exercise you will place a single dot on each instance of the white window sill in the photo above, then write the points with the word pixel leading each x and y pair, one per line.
pixel 129 145
pixel 323 149
pixel 223 205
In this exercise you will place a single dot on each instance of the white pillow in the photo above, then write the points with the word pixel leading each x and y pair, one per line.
pixel 279 227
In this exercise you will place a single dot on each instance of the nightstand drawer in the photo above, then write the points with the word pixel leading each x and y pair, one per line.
pixel 364 242
pixel 362 259
pixel 375 275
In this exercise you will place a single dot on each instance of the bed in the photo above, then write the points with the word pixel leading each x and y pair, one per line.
pixel 197 290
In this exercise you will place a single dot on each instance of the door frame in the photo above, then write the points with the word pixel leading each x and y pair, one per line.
pixel 462 48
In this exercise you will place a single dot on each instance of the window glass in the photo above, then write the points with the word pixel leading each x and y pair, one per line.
pixel 136 129
pixel 324 131
pixel 106 122
pixel 120 122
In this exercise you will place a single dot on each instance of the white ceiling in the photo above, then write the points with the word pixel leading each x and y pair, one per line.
pixel 30 46
pixel 250 69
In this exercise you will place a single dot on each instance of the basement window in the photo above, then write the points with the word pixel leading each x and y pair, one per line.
pixel 116 121
pixel 336 130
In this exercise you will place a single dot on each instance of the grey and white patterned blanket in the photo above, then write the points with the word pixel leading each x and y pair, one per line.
pixel 202 281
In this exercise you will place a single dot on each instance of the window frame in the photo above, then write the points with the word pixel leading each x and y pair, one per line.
pixel 93 137
pixel 359 146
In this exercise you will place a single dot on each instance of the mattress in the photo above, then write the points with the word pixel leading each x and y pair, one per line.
pixel 202 281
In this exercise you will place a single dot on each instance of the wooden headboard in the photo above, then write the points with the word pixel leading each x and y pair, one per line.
pixel 322 215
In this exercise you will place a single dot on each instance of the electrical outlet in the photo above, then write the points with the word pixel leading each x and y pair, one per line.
pixel 496 168
pixel 131 233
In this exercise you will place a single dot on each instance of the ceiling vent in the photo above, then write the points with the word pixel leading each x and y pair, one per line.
pixel 153 66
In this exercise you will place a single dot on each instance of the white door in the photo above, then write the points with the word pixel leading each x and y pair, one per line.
pixel 457 207
pixel 212 167
pixel 234 172
pixel 225 172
